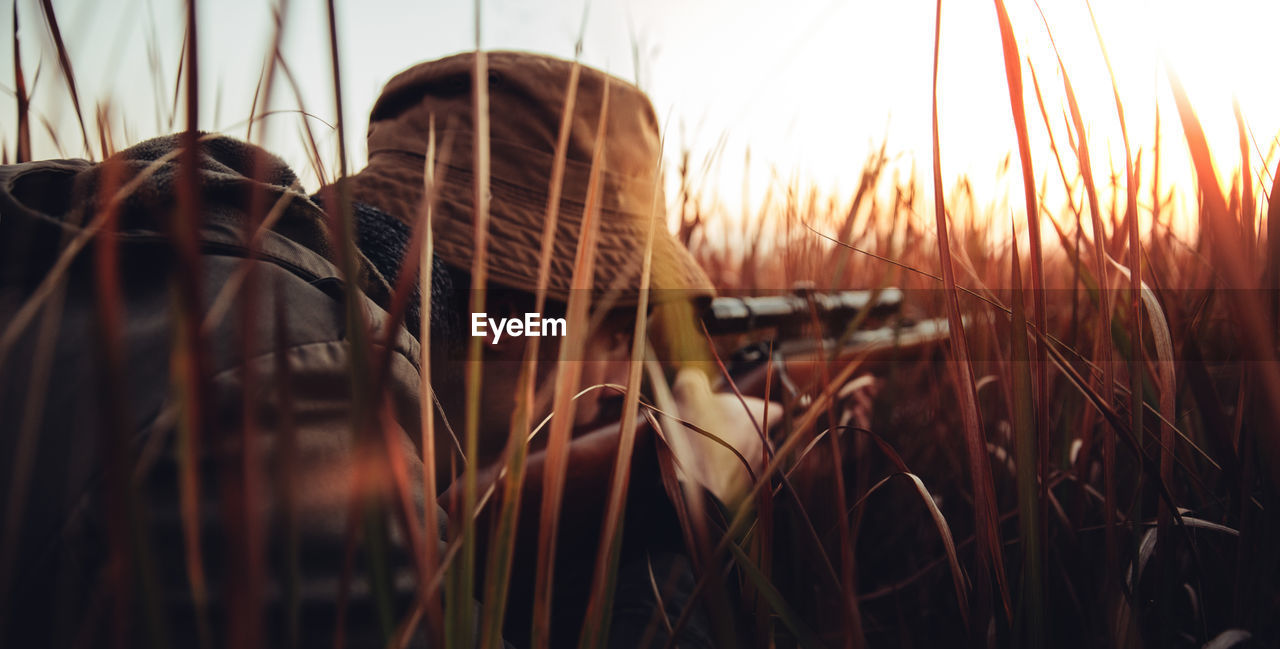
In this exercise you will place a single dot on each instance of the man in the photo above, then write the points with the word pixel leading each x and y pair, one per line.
pixel 197 455
pixel 528 95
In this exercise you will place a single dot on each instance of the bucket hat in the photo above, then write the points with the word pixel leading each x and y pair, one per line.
pixel 527 98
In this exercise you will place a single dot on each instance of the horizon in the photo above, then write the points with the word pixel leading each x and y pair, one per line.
pixel 775 97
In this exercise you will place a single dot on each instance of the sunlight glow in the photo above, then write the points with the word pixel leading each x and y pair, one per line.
pixel 808 88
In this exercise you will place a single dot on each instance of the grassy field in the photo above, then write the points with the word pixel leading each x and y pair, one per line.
pixel 1093 459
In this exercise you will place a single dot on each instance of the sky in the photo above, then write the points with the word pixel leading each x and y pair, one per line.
pixel 809 88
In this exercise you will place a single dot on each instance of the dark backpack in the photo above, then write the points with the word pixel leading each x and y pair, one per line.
pixel 82 405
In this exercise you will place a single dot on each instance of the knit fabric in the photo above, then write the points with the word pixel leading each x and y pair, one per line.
pixel 383 240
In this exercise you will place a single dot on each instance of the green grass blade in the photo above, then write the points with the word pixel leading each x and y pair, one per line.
pixel 990 555
pixel 804 636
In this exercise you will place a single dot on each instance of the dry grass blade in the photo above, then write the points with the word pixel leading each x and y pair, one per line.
pixel 257 95
pixel 177 82
pixel 789 446
pixel 944 531
pixel 989 553
pixel 1027 443
pixel 1271 272
pixel 690 503
pixel 1103 350
pixel 308 135
pixel 1031 424
pixel 1246 307
pixel 266 81
pixel 1150 468
pixel 497 579
pixel 1163 342
pixel 189 355
pixel 22 152
pixel 1131 184
pixel 567 377
pixel 958 578
pixel 1136 372
pixel 1247 219
pixel 462 582
pixel 117 468
pixel 245 520
pixel 364 507
pixel 871 171
pixel 1071 203
pixel 982 294
pixel 855 637
pixel 430 519
pixel 766 506
pixel 64 61
pixel 595 628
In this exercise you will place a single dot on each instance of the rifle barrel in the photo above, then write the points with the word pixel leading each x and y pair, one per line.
pixel 732 315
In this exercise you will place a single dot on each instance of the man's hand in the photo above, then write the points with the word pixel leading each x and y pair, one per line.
pixel 721 414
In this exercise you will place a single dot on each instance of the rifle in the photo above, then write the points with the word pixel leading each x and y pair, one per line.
pixel 800 332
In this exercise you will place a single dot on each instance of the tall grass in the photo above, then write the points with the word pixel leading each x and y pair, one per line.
pixel 1097 461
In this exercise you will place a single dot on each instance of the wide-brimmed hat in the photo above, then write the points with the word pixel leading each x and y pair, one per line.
pixel 527 97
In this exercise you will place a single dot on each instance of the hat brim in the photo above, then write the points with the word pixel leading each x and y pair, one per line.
pixel 516 223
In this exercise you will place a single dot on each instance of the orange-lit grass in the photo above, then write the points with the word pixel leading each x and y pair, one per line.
pixel 569 371
pixel 1030 418
pixel 1102 344
pixel 990 554
pixel 1162 471
pixel 500 555
pixel 595 627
